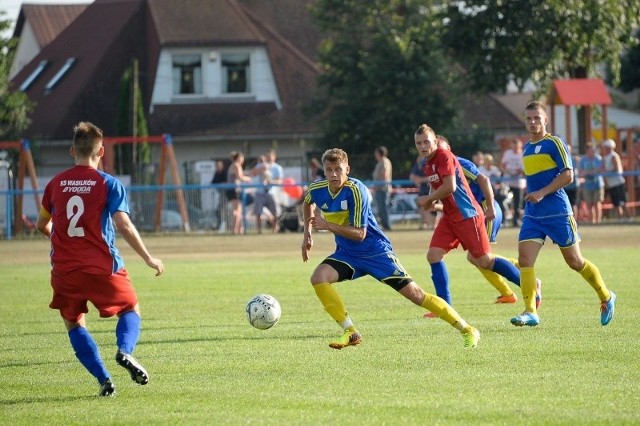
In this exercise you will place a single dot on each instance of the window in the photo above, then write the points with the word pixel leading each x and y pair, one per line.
pixel 33 76
pixel 187 75
pixel 59 75
pixel 236 73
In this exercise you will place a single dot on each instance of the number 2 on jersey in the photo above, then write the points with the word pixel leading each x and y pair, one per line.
pixel 75 208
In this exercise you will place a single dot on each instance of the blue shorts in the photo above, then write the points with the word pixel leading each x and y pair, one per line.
pixel 562 230
pixel 493 226
pixel 384 267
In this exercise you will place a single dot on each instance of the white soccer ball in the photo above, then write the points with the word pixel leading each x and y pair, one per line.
pixel 263 311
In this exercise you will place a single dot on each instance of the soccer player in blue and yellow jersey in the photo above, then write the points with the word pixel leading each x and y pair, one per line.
pixel 547 213
pixel 81 209
pixel 342 205
pixel 462 221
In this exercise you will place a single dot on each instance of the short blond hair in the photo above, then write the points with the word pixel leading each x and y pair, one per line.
pixel 87 139
pixel 335 155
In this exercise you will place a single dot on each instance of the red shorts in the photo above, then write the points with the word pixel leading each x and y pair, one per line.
pixel 110 294
pixel 470 233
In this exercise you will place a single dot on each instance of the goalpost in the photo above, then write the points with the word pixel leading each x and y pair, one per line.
pixel 167 159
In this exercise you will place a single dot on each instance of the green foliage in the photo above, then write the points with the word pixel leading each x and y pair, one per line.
pixel 500 41
pixel 208 366
pixel 14 105
pixel 630 67
pixel 124 153
pixel 383 75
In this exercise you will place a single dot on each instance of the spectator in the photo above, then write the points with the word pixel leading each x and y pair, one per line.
pixel 219 177
pixel 316 171
pixel 235 175
pixel 382 191
pixel 511 166
pixel 593 185
pixel 485 163
pixel 614 179
pixel 573 189
pixel 264 194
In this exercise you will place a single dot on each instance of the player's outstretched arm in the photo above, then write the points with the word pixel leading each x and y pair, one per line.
pixel 130 234
pixel 307 239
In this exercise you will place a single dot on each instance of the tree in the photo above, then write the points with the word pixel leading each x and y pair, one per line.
pixel 502 41
pixel 499 41
pixel 384 74
pixel 130 157
pixel 14 105
pixel 630 69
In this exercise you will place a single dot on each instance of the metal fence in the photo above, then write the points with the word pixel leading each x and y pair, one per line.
pixel 207 207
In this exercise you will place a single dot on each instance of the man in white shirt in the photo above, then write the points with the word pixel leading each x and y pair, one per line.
pixel 511 165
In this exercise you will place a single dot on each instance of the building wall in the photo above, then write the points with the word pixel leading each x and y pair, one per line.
pixel 263 87
pixel 28 48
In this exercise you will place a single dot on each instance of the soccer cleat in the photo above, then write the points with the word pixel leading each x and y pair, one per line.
pixel 512 298
pixel 526 318
pixel 538 293
pixel 471 338
pixel 348 338
pixel 607 308
pixel 107 388
pixel 137 371
pixel 430 315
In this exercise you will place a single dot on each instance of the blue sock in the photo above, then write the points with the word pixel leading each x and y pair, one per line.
pixel 507 269
pixel 440 277
pixel 87 353
pixel 128 331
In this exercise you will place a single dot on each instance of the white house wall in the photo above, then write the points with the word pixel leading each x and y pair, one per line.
pixel 263 87
pixel 28 48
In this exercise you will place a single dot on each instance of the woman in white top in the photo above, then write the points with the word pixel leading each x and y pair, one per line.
pixel 614 179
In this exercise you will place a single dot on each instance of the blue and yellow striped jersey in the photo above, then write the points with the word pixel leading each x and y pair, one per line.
pixel 542 162
pixel 350 206
pixel 471 173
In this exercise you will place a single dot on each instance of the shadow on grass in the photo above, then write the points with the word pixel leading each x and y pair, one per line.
pixel 37 400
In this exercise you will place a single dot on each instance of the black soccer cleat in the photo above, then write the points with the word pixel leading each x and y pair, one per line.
pixel 137 371
pixel 107 388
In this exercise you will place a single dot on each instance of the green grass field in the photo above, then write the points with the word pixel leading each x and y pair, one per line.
pixel 208 366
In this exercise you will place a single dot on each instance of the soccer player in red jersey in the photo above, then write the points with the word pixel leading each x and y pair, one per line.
pixel 81 208
pixel 462 222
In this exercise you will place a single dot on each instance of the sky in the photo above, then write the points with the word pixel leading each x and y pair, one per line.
pixel 12 7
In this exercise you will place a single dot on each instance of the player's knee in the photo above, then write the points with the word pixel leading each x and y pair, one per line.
pixel 575 264
pixel 434 256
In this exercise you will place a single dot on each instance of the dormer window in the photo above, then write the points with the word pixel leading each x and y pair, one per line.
pixel 236 73
pixel 33 76
pixel 59 75
pixel 187 74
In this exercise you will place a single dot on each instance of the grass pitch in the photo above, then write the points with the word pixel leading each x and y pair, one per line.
pixel 208 366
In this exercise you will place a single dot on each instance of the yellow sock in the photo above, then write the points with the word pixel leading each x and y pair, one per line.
pixel 497 281
pixel 591 274
pixel 333 304
pixel 528 288
pixel 441 308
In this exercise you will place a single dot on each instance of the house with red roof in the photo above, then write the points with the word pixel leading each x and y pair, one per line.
pixel 217 75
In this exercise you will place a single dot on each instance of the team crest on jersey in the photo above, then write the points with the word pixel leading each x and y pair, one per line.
pixel 538 149
pixel 343 205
